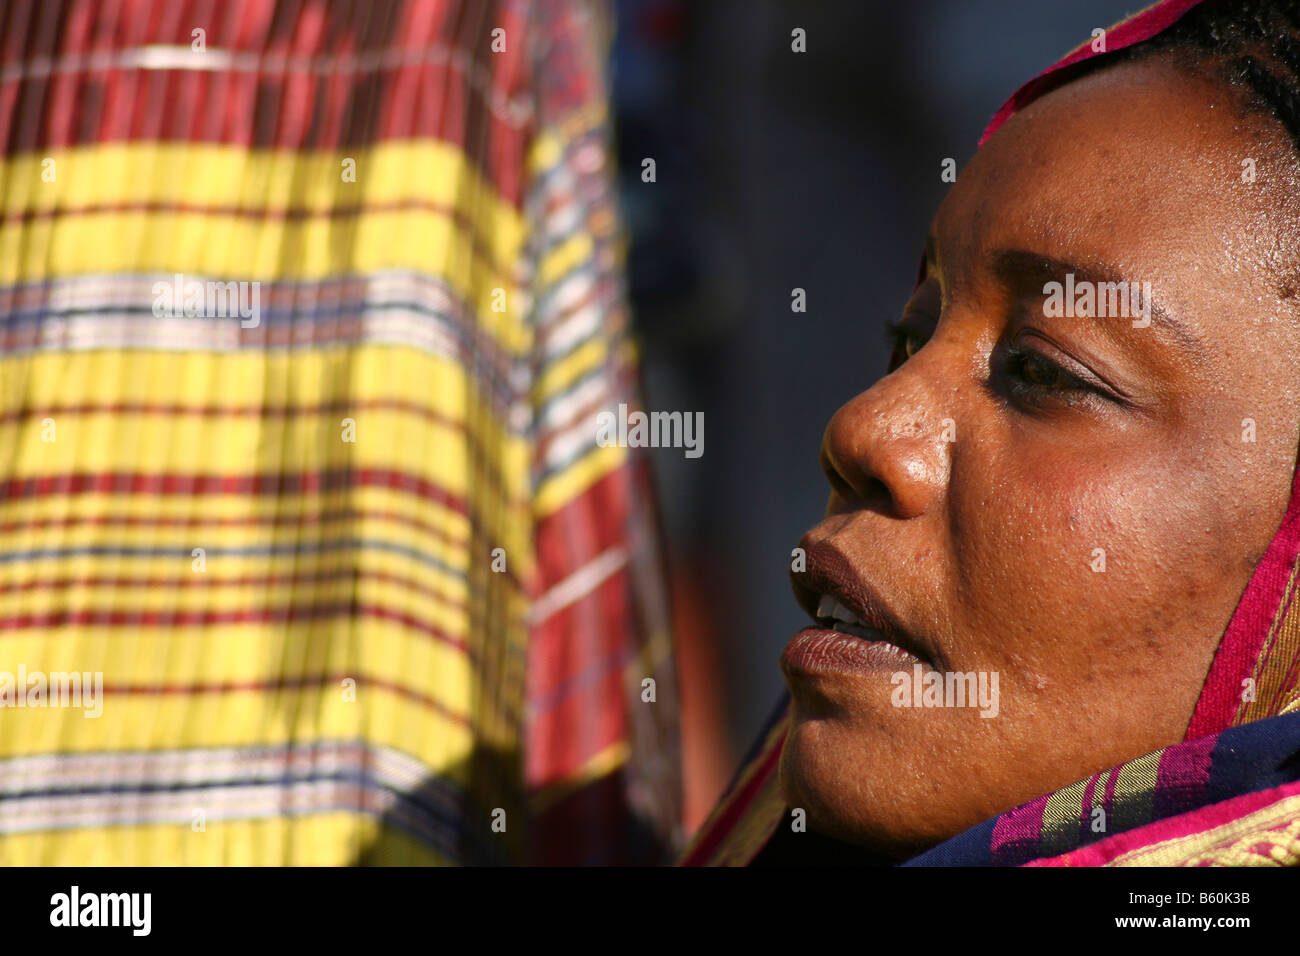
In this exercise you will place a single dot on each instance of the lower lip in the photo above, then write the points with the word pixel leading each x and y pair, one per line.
pixel 816 650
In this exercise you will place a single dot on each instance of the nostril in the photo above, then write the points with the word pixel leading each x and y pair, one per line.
pixel 876 492
pixel 853 484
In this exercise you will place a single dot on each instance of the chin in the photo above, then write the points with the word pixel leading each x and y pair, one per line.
pixel 818 773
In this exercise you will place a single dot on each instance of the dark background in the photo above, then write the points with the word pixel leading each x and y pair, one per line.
pixel 776 170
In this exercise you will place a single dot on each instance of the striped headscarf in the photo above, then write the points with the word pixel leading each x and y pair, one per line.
pixel 307 308
pixel 1228 794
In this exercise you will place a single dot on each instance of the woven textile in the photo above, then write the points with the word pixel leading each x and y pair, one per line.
pixel 306 312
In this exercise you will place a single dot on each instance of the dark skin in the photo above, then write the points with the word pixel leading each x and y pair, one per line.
pixel 1070 434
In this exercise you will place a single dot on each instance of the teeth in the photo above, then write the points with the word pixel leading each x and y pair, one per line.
pixel 831 609
pixel 832 612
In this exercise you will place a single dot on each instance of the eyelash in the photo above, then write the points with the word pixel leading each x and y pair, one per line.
pixel 1014 358
pixel 896 337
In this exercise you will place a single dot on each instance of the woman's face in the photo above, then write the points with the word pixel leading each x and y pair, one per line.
pixel 977 489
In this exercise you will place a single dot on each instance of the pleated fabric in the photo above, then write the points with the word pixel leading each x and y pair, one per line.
pixel 307 309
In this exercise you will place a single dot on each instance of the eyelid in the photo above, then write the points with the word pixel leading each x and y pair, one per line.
pixel 1070 365
pixel 921 310
pixel 1073 382
pixel 927 293
pixel 912 321
pixel 907 326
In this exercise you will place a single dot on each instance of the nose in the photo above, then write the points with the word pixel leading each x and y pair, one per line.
pixel 888 448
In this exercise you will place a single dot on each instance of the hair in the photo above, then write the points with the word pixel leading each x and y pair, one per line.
pixel 1252 45
pixel 1253 48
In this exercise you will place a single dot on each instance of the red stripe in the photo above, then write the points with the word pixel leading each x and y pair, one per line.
pixel 188 581
pixel 265 109
pixel 599 628
pixel 490 470
pixel 1178 827
pixel 195 521
pixel 283 684
pixel 578 655
pixel 1085 806
pixel 290 614
pixel 268 484
pixel 1261 604
pixel 590 524
pixel 231 411
pixel 285 293
pixel 576 688
pixel 721 828
pixel 562 741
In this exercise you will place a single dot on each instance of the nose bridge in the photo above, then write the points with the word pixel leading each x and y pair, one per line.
pixel 897 434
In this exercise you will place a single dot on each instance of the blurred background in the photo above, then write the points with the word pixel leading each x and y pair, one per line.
pixel 778 170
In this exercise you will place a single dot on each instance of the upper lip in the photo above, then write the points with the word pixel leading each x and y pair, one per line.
pixel 828 571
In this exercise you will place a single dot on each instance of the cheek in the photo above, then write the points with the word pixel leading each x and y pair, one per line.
pixel 1087 563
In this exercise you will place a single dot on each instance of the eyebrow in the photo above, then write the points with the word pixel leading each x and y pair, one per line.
pixel 1013 266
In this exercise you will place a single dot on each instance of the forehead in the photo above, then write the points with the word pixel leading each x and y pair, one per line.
pixel 1140 165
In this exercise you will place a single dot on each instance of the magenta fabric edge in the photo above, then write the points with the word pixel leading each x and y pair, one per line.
pixel 1086 804
pixel 1182 776
pixel 1226 811
pixel 1112 781
pixel 1238 652
pixel 1141 26
pixel 1018 827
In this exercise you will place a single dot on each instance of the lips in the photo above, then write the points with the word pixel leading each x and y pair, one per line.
pixel 839 600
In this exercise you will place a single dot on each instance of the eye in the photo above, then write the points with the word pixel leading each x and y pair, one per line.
pixel 904 342
pixel 1024 373
pixel 1036 379
pixel 1038 371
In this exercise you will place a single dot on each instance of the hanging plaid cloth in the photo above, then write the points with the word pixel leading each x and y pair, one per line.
pixel 307 309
